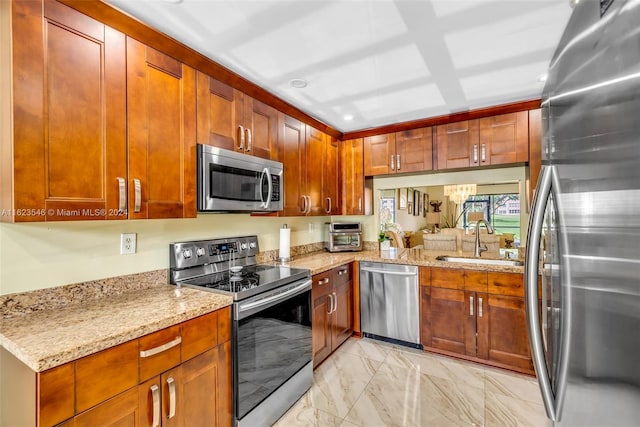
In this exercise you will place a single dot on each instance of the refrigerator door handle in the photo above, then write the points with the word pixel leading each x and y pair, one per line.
pixel 531 289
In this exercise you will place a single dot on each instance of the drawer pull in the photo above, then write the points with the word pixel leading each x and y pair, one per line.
pixel 323 281
pixel 341 272
pixel 480 307
pixel 160 348
pixel 470 306
pixel 155 394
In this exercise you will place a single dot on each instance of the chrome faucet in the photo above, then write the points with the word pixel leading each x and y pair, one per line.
pixel 478 250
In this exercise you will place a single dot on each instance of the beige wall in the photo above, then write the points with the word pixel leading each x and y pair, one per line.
pixel 42 255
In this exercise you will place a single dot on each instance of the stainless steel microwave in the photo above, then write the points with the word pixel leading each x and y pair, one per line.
pixel 236 182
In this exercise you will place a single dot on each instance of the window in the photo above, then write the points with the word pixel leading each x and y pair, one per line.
pixel 388 202
pixel 502 211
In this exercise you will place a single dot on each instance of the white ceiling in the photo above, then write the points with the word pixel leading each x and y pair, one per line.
pixel 380 61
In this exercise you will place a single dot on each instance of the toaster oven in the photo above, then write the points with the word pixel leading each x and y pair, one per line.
pixel 343 236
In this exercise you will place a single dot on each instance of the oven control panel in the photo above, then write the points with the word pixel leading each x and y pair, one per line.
pixel 204 252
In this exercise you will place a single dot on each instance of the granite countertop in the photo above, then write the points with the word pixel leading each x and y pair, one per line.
pixel 51 337
pixel 322 261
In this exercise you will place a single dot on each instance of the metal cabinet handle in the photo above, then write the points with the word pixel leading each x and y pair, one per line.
pixel 483 153
pixel 308 204
pixel 398 162
pixel 475 153
pixel 470 306
pixel 393 164
pixel 122 193
pixel 323 281
pixel 303 208
pixel 479 306
pixel 240 137
pixel 155 395
pixel 248 133
pixel 137 200
pixel 160 348
pixel 335 302
pixel 341 272
pixel 359 204
pixel 330 309
pixel 172 397
pixel 328 205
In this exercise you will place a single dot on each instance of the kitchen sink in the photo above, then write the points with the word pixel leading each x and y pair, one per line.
pixel 485 261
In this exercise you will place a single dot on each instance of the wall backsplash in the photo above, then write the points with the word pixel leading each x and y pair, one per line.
pixel 43 255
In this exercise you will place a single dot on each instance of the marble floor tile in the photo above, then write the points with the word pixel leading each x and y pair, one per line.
pixel 513 385
pixel 508 411
pixel 303 414
pixel 366 348
pixel 438 366
pixel 339 381
pixel 401 396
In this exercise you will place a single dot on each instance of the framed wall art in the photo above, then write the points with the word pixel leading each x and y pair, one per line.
pixel 402 198
pixel 416 202
pixel 425 204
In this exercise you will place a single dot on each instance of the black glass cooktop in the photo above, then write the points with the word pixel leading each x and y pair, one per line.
pixel 249 281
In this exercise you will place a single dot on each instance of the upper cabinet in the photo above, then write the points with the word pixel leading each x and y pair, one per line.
pixel 161 104
pixel 535 150
pixel 356 192
pixel 230 119
pixel 69 117
pixel 494 140
pixel 311 164
pixel 408 151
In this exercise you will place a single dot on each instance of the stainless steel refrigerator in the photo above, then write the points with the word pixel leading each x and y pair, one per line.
pixel 583 253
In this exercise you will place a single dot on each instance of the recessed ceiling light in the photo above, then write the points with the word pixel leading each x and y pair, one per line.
pixel 573 3
pixel 348 117
pixel 298 83
pixel 542 78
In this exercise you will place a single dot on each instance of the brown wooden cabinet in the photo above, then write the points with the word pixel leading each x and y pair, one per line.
pixel 230 119
pixel 477 315
pixel 494 140
pixel 311 161
pixel 187 367
pixel 332 297
pixel 408 151
pixel 535 151
pixel 161 134
pixel 69 116
pixel 356 191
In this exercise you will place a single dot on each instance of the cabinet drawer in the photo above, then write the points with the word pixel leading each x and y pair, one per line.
pixel 342 274
pixel 322 284
pixel 447 278
pixel 475 281
pixel 159 352
pixel 105 374
pixel 511 284
pixel 425 276
pixel 199 335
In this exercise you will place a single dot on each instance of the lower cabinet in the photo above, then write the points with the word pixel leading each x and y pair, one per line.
pixel 332 296
pixel 178 376
pixel 478 315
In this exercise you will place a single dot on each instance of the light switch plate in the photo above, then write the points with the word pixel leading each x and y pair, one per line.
pixel 128 243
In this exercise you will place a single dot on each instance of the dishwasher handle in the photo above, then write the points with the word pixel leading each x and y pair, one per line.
pixel 389 272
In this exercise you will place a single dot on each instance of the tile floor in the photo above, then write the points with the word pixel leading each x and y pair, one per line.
pixel 371 383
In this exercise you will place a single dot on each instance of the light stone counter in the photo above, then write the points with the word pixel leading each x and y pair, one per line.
pixel 51 336
pixel 323 261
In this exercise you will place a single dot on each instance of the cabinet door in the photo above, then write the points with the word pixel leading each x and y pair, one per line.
pixel 504 139
pixel 535 150
pixel 414 150
pixel 161 119
pixel 292 155
pixel 502 331
pixel 353 177
pixel 261 129
pixel 315 170
pixel 321 320
pixel 342 318
pixel 380 154
pixel 69 115
pixel 457 144
pixel 219 114
pixel 119 411
pixel 330 178
pixel 450 325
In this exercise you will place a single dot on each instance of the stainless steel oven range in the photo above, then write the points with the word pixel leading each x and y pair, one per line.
pixel 272 356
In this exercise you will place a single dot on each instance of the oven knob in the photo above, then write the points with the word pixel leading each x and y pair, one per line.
pixel 252 245
pixel 186 253
pixel 200 252
pixel 243 246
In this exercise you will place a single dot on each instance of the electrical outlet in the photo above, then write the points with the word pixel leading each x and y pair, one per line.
pixel 128 243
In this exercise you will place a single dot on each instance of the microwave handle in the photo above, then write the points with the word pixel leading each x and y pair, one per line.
pixel 265 203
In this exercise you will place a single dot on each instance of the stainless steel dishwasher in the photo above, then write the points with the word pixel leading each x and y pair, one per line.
pixel 389 302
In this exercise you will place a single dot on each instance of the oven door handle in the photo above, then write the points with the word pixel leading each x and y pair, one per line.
pixel 247 308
